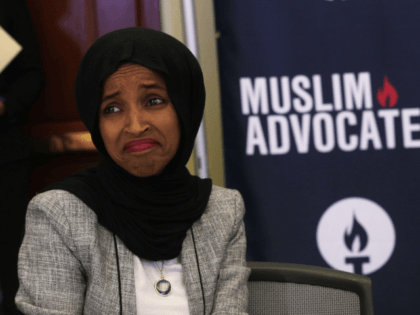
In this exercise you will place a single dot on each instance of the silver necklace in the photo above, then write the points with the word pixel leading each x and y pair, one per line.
pixel 162 287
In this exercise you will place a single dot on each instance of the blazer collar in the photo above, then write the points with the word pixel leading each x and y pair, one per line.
pixel 190 269
pixel 128 288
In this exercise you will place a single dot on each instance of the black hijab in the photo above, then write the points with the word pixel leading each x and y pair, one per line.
pixel 151 215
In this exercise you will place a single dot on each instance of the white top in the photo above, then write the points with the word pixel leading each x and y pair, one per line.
pixel 148 302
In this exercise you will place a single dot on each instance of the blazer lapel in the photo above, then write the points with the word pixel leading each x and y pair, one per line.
pixel 128 288
pixel 207 264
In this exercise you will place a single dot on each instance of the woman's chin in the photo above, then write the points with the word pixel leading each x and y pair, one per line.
pixel 144 170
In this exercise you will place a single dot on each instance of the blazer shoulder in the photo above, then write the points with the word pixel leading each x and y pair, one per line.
pixel 226 202
pixel 224 194
pixel 61 203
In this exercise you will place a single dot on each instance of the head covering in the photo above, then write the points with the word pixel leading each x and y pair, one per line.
pixel 151 215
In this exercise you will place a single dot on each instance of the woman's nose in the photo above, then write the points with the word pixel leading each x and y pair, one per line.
pixel 137 122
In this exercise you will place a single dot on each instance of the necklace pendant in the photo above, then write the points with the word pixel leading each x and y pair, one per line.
pixel 163 287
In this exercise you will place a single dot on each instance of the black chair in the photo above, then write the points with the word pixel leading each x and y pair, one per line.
pixel 293 289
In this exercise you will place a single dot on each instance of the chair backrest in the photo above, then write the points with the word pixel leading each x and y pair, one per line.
pixel 293 289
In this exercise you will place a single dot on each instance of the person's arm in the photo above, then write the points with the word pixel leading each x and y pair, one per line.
pixel 232 292
pixel 51 277
pixel 24 74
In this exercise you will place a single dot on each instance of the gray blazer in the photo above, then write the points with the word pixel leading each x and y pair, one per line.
pixel 67 262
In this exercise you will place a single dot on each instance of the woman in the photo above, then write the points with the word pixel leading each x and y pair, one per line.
pixel 137 234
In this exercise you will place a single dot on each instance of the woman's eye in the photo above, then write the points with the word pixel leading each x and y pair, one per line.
pixel 155 101
pixel 111 109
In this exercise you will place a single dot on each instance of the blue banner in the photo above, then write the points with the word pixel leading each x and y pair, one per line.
pixel 321 124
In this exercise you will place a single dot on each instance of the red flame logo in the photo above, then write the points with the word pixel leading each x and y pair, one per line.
pixel 387 93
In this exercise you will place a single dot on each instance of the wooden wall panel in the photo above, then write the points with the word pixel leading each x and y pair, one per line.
pixel 62 36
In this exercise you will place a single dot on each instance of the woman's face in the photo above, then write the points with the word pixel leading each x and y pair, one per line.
pixel 137 121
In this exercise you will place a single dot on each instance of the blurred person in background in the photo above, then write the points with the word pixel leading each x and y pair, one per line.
pixel 20 85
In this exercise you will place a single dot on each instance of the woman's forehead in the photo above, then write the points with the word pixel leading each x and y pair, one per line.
pixel 127 64
pixel 130 73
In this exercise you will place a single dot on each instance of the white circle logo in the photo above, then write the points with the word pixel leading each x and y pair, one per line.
pixel 356 235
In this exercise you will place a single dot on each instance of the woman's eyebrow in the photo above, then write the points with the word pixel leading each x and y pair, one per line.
pixel 142 85
pixel 105 98
pixel 151 86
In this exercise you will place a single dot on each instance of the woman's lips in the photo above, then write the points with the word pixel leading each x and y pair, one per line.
pixel 140 145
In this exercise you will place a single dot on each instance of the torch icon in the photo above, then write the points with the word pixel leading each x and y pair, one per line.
pixel 356 241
